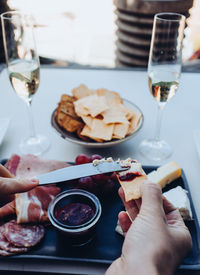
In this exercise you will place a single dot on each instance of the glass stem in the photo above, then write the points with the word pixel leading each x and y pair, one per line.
pixel 31 122
pixel 159 119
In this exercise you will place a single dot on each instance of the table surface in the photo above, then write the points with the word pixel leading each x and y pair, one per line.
pixel 180 119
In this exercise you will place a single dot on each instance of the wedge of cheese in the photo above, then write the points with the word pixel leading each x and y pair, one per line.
pixel 165 174
pixel 178 197
pixel 162 176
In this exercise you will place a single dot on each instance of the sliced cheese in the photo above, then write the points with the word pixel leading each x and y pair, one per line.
pixel 178 197
pixel 165 174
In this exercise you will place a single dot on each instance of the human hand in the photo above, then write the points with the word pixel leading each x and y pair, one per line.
pixel 156 241
pixel 9 185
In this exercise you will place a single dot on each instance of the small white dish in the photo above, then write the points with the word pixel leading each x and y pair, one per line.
pixel 4 123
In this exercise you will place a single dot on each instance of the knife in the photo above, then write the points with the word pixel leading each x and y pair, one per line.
pixel 79 171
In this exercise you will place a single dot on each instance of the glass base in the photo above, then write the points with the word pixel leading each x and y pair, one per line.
pixel 156 150
pixel 34 145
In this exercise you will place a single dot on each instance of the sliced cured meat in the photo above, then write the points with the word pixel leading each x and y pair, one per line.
pixel 12 164
pixel 23 235
pixel 5 253
pixel 29 166
pixel 6 248
pixel 31 206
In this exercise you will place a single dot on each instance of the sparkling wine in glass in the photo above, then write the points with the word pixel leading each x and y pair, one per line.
pixel 164 71
pixel 23 69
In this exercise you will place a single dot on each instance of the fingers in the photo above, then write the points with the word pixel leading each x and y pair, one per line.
pixel 152 198
pixel 172 213
pixel 131 206
pixel 7 209
pixel 5 172
pixel 174 217
pixel 138 203
pixel 124 221
pixel 122 195
pixel 167 206
pixel 12 185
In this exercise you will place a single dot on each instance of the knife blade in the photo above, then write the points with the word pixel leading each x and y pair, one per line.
pixel 79 171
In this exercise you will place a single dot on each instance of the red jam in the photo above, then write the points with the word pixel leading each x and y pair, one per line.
pixel 129 176
pixel 74 214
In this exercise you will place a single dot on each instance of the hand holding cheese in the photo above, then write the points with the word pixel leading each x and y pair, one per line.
pixel 156 238
pixel 132 179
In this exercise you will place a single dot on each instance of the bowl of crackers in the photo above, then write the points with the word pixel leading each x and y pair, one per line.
pixel 96 118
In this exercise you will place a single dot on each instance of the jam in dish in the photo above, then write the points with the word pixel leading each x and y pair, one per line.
pixel 75 214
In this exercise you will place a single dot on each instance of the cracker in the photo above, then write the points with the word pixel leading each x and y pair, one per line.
pixel 115 114
pixel 87 120
pixel 80 109
pixel 131 187
pixel 99 130
pixel 112 98
pixel 134 122
pixel 82 91
pixel 66 116
pixel 120 130
pixel 68 98
pixel 67 108
pixel 71 125
pixel 91 105
pixel 60 118
pixel 129 113
pixel 87 132
pixel 84 138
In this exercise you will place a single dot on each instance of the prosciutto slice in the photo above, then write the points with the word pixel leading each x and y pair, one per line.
pixel 31 206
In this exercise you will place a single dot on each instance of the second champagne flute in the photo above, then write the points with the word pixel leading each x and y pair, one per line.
pixel 164 71
pixel 24 70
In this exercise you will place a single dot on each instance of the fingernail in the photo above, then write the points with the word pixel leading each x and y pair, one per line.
pixel 35 181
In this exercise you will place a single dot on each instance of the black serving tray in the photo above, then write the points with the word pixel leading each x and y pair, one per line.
pixel 107 244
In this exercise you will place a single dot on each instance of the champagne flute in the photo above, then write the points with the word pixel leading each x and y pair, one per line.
pixel 23 69
pixel 164 71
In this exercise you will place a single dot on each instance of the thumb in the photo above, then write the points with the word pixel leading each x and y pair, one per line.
pixel 4 172
pixel 151 198
pixel 16 185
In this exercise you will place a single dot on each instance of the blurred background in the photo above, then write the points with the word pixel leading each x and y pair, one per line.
pixel 104 33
